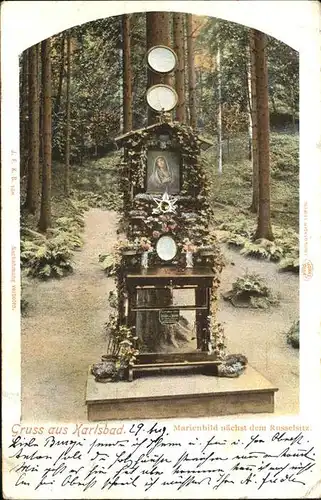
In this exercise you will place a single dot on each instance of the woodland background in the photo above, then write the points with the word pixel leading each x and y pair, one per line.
pixel 82 88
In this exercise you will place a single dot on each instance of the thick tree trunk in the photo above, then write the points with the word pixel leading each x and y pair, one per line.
pixel 40 84
pixel 178 30
pixel 68 127
pixel 255 152
pixel 219 108
pixel 191 71
pixel 149 328
pixel 264 228
pixel 24 116
pixel 61 74
pixel 127 76
pixel 45 211
pixel 33 105
pixel 157 33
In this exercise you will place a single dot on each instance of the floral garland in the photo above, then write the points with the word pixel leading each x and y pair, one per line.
pixel 185 216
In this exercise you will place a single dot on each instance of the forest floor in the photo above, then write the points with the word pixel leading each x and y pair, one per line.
pixel 62 331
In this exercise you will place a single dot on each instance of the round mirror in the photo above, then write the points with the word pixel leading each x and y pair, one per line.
pixel 161 97
pixel 161 59
pixel 166 248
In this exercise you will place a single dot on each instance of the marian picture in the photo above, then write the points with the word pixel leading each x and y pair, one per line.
pixel 163 172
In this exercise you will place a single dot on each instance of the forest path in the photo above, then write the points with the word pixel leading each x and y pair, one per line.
pixel 62 333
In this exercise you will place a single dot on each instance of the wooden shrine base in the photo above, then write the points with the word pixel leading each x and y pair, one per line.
pixel 172 396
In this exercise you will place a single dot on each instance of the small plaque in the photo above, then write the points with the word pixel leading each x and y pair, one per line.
pixel 169 316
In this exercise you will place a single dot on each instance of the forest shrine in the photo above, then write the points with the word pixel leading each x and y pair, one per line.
pixel 168 263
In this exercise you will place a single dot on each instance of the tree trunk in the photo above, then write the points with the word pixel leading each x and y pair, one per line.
pixel 45 211
pixel 149 327
pixel 127 76
pixel 178 29
pixel 33 105
pixel 219 108
pixel 24 116
pixel 249 102
pixel 200 104
pixel 68 128
pixel 191 71
pixel 61 73
pixel 157 33
pixel 255 152
pixel 264 228
pixel 293 110
pixel 39 72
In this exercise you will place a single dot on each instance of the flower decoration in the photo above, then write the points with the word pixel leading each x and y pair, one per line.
pixel 188 246
pixel 145 244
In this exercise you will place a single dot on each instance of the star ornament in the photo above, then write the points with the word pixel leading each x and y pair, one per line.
pixel 165 204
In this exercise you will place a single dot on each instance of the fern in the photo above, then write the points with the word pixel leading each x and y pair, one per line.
pixel 251 290
pixel 293 335
pixel 262 249
pixel 291 264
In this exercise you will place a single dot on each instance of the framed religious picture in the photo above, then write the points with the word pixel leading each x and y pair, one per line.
pixel 163 171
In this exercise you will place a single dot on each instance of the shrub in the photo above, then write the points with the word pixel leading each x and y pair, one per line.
pixel 24 302
pixel 251 290
pixel 293 335
pixel 50 258
pixel 109 263
pixel 262 249
pixel 289 263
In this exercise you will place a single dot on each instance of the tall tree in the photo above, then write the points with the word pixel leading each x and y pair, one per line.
pixel 157 33
pixel 45 210
pixel 264 227
pixel 178 32
pixel 33 105
pixel 68 125
pixel 253 125
pixel 127 75
pixel 219 106
pixel 191 71
pixel 24 115
pixel 61 74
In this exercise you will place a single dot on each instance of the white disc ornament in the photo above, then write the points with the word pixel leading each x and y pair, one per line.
pixel 161 59
pixel 161 97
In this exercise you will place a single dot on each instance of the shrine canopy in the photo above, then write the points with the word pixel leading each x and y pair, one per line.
pixel 159 127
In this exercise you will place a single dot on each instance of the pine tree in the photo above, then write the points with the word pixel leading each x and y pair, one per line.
pixel 264 228
pixel 157 33
pixel 191 71
pixel 127 75
pixel 178 30
pixel 68 125
pixel 33 107
pixel 45 210
pixel 253 111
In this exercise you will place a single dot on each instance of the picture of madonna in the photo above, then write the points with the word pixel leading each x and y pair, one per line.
pixel 163 172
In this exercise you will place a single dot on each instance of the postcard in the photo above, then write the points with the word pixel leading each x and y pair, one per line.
pixel 161 249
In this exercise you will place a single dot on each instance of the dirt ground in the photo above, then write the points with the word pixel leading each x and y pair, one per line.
pixel 62 333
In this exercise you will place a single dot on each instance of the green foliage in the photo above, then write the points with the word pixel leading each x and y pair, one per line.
pixel 262 249
pixel 291 264
pixel 122 342
pixel 107 201
pixel 284 157
pixel 293 335
pixel 24 299
pixel 251 290
pixel 50 256
pixel 109 263
pixel 50 259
